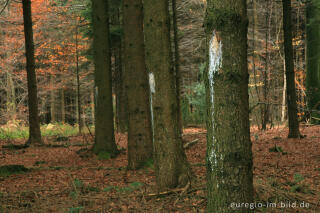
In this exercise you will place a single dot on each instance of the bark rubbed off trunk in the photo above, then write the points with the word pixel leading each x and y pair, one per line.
pixel 229 155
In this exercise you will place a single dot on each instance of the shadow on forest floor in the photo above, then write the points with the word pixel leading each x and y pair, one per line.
pixel 286 171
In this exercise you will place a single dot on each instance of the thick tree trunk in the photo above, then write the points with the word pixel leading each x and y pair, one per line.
pixel 290 76
pixel 171 166
pixel 136 81
pixel 229 155
pixel 34 124
pixel 313 59
pixel 104 126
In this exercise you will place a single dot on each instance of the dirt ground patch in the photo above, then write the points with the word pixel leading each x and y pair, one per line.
pixel 66 178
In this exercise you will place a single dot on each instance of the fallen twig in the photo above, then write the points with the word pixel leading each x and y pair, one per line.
pixel 188 144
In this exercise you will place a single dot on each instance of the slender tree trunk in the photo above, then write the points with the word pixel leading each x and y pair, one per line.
pixel 79 107
pixel 229 155
pixel 63 110
pixel 11 98
pixel 171 166
pixel 104 125
pixel 284 92
pixel 52 101
pixel 290 76
pixel 313 59
pixel 34 124
pixel 92 107
pixel 136 81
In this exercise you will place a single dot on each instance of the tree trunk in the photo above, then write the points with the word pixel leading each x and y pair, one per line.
pixel 290 76
pixel 229 155
pixel 63 110
pixel 313 59
pixel 104 126
pixel 52 101
pixel 136 81
pixel 177 64
pixel 171 166
pixel 284 92
pixel 121 96
pixel 34 124
pixel 11 98
pixel 79 107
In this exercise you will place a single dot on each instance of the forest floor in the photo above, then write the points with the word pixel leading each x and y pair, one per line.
pixel 64 178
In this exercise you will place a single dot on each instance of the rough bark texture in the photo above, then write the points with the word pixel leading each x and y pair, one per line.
pixel 313 59
pixel 177 64
pixel 171 166
pixel 121 95
pixel 136 81
pixel 289 66
pixel 34 124
pixel 104 127
pixel 229 155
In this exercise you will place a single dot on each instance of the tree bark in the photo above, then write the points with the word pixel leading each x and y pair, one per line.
pixel 290 76
pixel 229 155
pixel 104 126
pixel 177 64
pixel 136 81
pixel 34 124
pixel 63 110
pixel 78 99
pixel 171 166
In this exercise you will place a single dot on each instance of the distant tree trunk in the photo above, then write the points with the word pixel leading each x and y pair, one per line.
pixel 79 107
pixel 229 155
pixel 11 98
pixel 171 166
pixel 313 59
pixel 104 126
pixel 284 92
pixel 63 110
pixel 34 124
pixel 136 81
pixel 290 76
pixel 265 109
pixel 92 107
pixel 52 101
pixel 177 65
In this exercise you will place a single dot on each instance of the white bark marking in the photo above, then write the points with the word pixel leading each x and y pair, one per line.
pixel 215 61
pixel 152 86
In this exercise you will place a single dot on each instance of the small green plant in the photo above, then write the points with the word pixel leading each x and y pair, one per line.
pixel 108 188
pixel 277 149
pixel 296 186
pixel 75 209
pixel 8 170
pixel 37 163
pixel 77 187
pixel 149 163
pixel 104 155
